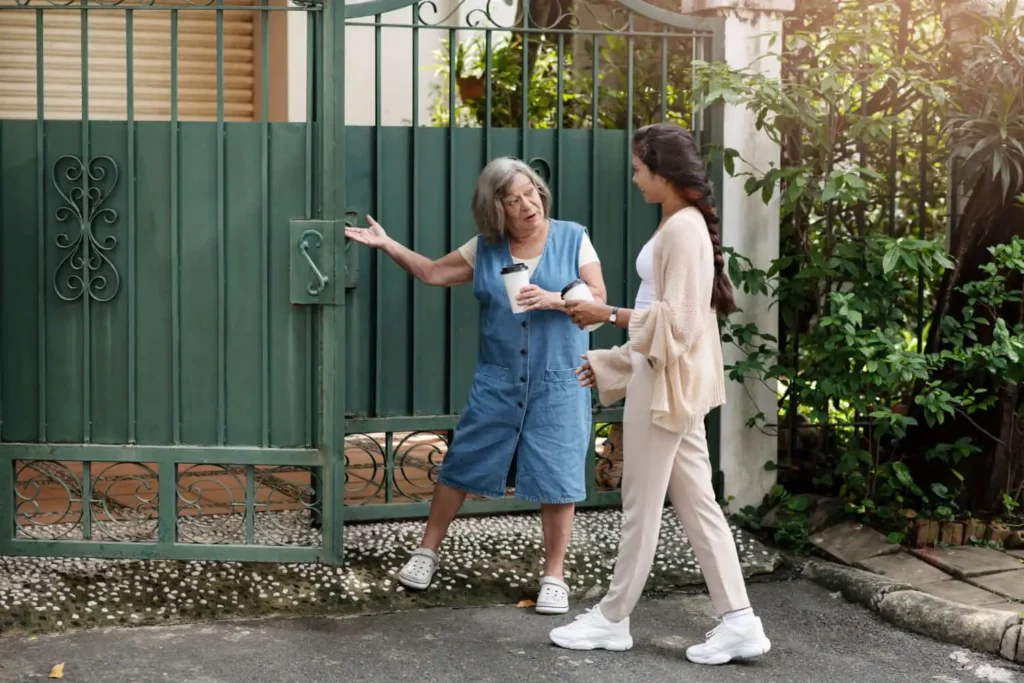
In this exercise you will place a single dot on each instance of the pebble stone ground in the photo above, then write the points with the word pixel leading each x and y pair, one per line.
pixel 485 561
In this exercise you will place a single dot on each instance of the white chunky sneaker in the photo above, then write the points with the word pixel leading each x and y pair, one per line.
pixel 419 571
pixel 593 631
pixel 738 639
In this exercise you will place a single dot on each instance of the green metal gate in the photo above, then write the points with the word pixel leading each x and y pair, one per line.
pixel 168 388
pixel 193 363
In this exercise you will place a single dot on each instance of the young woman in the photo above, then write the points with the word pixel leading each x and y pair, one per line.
pixel 671 374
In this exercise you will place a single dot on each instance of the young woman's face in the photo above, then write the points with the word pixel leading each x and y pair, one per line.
pixel 652 187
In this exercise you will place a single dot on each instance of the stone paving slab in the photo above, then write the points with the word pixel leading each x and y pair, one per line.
pixel 1016 553
pixel 962 592
pixel 904 568
pixel 1008 606
pixel 850 543
pixel 966 562
pixel 1007 584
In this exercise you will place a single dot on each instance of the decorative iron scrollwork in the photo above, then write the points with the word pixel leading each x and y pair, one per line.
pixel 40 514
pixel 418 458
pixel 86 268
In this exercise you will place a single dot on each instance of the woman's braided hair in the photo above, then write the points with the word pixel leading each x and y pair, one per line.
pixel 671 153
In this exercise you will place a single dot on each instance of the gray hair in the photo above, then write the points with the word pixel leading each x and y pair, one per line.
pixel 492 187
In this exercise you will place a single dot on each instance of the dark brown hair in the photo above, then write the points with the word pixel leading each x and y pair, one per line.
pixel 671 153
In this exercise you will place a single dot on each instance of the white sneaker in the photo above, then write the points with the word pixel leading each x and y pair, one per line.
pixel 593 631
pixel 738 639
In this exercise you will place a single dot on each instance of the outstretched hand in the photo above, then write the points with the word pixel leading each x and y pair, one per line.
pixel 373 236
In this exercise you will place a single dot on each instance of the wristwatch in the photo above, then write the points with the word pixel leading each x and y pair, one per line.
pixel 614 317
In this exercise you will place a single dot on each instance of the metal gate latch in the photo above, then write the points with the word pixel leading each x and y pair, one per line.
pixel 317 250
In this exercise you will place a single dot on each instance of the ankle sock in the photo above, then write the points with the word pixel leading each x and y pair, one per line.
pixel 739 615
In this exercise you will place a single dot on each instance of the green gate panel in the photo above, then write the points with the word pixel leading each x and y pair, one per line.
pixel 43 384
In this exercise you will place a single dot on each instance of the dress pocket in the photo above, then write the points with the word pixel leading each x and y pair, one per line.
pixel 492 371
pixel 561 376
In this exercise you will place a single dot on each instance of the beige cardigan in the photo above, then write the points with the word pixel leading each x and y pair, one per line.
pixel 678 333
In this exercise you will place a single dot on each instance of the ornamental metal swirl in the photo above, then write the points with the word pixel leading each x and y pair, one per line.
pixel 418 458
pixel 561 15
pixel 608 465
pixel 86 268
pixel 49 516
pixel 125 503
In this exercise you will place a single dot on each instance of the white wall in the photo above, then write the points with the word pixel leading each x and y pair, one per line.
pixel 752 228
pixel 396 68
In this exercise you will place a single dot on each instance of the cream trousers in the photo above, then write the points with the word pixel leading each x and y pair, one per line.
pixel 656 460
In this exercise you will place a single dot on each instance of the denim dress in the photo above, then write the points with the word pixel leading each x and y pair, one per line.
pixel 526 403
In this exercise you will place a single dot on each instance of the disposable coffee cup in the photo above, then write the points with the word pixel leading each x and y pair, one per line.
pixel 577 290
pixel 516 277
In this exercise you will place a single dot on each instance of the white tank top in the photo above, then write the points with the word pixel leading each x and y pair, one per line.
pixel 645 269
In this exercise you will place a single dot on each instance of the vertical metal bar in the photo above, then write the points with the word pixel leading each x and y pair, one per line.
pixel 311 75
pixel 524 91
pixel 922 209
pixel 250 499
pixel 595 124
pixel 378 265
pixel 175 244
pixel 664 75
pixel 167 501
pixel 265 245
pixel 87 496
pixel 488 97
pixel 222 381
pixel 41 221
pixel 129 28
pixel 331 119
pixel 414 203
pixel 449 306
pixel 7 530
pixel 629 276
pixel 389 467
pixel 86 210
pixel 559 113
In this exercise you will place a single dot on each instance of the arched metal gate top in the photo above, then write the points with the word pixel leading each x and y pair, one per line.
pixel 354 10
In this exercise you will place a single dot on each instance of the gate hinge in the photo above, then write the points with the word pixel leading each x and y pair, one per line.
pixel 317 257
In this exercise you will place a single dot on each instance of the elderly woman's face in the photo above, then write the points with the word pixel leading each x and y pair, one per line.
pixel 524 211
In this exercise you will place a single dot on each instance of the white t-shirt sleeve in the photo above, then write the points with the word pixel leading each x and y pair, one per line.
pixel 468 251
pixel 588 254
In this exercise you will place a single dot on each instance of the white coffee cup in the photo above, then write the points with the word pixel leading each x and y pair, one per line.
pixel 577 290
pixel 516 277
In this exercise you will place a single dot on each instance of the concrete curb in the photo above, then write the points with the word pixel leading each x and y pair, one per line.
pixel 946 621
pixel 856 585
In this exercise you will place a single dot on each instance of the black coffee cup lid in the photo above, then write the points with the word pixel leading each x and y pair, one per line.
pixel 514 268
pixel 565 290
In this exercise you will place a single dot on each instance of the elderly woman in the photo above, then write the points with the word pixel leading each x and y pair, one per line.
pixel 526 408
